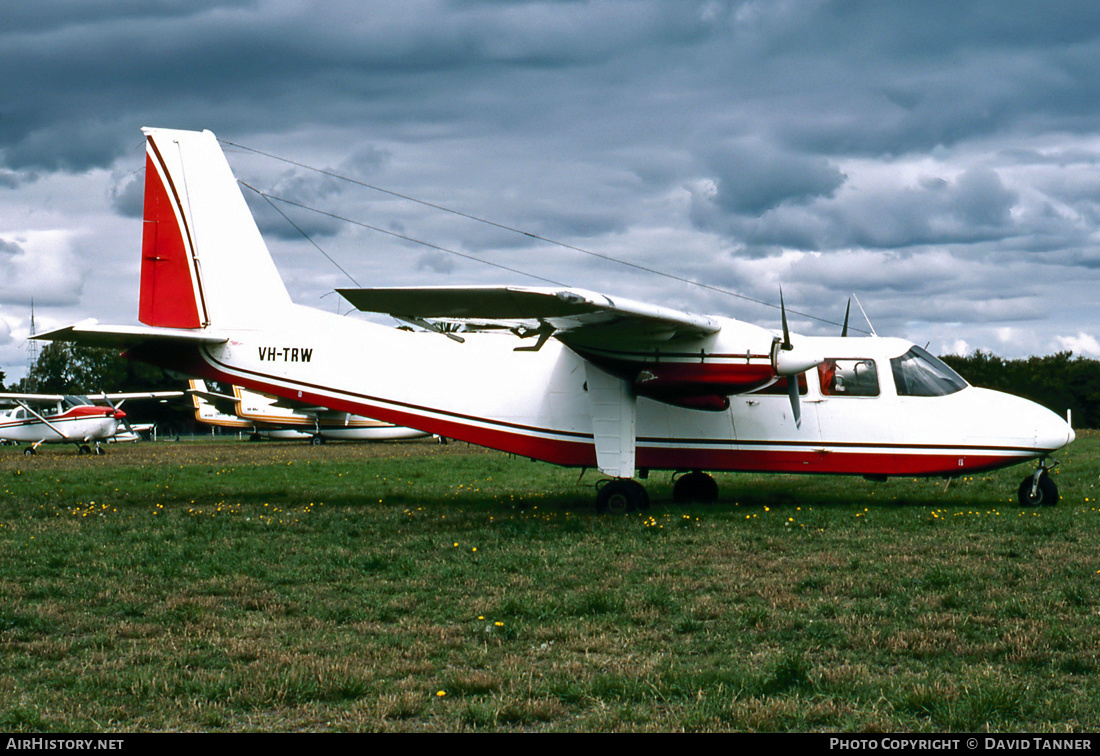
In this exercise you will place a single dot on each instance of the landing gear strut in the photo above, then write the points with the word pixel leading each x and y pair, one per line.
pixel 621 495
pixel 695 486
pixel 1038 489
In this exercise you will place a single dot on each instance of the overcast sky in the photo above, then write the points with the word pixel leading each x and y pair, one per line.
pixel 939 160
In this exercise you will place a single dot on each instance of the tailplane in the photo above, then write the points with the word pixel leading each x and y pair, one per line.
pixel 203 261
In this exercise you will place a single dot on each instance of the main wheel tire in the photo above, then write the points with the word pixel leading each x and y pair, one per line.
pixel 317 440
pixel 695 486
pixel 1046 493
pixel 621 496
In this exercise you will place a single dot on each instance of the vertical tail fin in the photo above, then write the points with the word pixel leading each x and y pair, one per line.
pixel 203 261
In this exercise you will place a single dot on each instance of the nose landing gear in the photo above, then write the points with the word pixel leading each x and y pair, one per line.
pixel 1038 489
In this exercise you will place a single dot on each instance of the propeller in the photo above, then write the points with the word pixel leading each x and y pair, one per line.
pixel 790 361
pixel 119 414
pixel 847 311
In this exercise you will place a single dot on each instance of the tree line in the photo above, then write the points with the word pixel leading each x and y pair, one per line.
pixel 1058 381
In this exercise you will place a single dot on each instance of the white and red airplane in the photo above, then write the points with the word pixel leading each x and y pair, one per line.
pixel 68 418
pixel 270 416
pixel 566 376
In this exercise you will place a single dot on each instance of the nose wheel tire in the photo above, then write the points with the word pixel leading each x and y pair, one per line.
pixel 1043 493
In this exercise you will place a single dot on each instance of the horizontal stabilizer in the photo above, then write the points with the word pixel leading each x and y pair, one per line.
pixel 90 333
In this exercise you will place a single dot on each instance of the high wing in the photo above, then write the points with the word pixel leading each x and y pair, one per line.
pixel 19 399
pixel 573 316
pixel 101 398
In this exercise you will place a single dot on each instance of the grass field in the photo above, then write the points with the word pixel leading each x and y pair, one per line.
pixel 202 586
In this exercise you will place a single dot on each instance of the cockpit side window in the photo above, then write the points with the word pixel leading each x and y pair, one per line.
pixel 848 377
pixel 918 373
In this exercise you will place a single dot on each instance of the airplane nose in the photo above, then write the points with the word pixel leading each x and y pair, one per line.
pixel 1052 432
pixel 119 414
pixel 1022 422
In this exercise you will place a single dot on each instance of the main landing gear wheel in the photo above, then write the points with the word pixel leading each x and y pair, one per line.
pixel 29 451
pixel 695 486
pixel 620 496
pixel 85 449
pixel 1043 492
pixel 317 440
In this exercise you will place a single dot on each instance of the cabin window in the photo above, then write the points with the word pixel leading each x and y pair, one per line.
pixel 846 377
pixel 918 373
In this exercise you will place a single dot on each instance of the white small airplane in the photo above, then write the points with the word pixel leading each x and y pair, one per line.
pixel 268 416
pixel 564 375
pixel 68 419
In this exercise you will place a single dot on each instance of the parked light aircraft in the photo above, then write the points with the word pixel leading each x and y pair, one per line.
pixel 68 419
pixel 269 416
pixel 564 375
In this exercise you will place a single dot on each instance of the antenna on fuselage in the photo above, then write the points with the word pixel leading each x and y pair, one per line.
pixel 864 315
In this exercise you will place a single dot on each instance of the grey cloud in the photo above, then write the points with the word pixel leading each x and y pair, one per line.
pixel 127 195
pixel 976 206
pixel 753 177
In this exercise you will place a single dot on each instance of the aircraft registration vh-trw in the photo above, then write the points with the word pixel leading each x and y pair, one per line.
pixel 562 375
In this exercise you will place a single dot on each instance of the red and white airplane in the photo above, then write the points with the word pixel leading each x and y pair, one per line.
pixel 68 418
pixel 269 416
pixel 566 376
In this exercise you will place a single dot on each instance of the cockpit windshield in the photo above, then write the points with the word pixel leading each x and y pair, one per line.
pixel 75 401
pixel 919 373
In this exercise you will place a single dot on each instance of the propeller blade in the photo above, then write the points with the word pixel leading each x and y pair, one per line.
pixel 796 405
pixel 847 311
pixel 786 346
pixel 118 412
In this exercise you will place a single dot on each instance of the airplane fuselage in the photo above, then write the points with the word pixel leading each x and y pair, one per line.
pixel 75 425
pixel 538 403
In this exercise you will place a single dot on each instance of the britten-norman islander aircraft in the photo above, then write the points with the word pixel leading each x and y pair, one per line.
pixel 68 419
pixel 269 416
pixel 563 375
